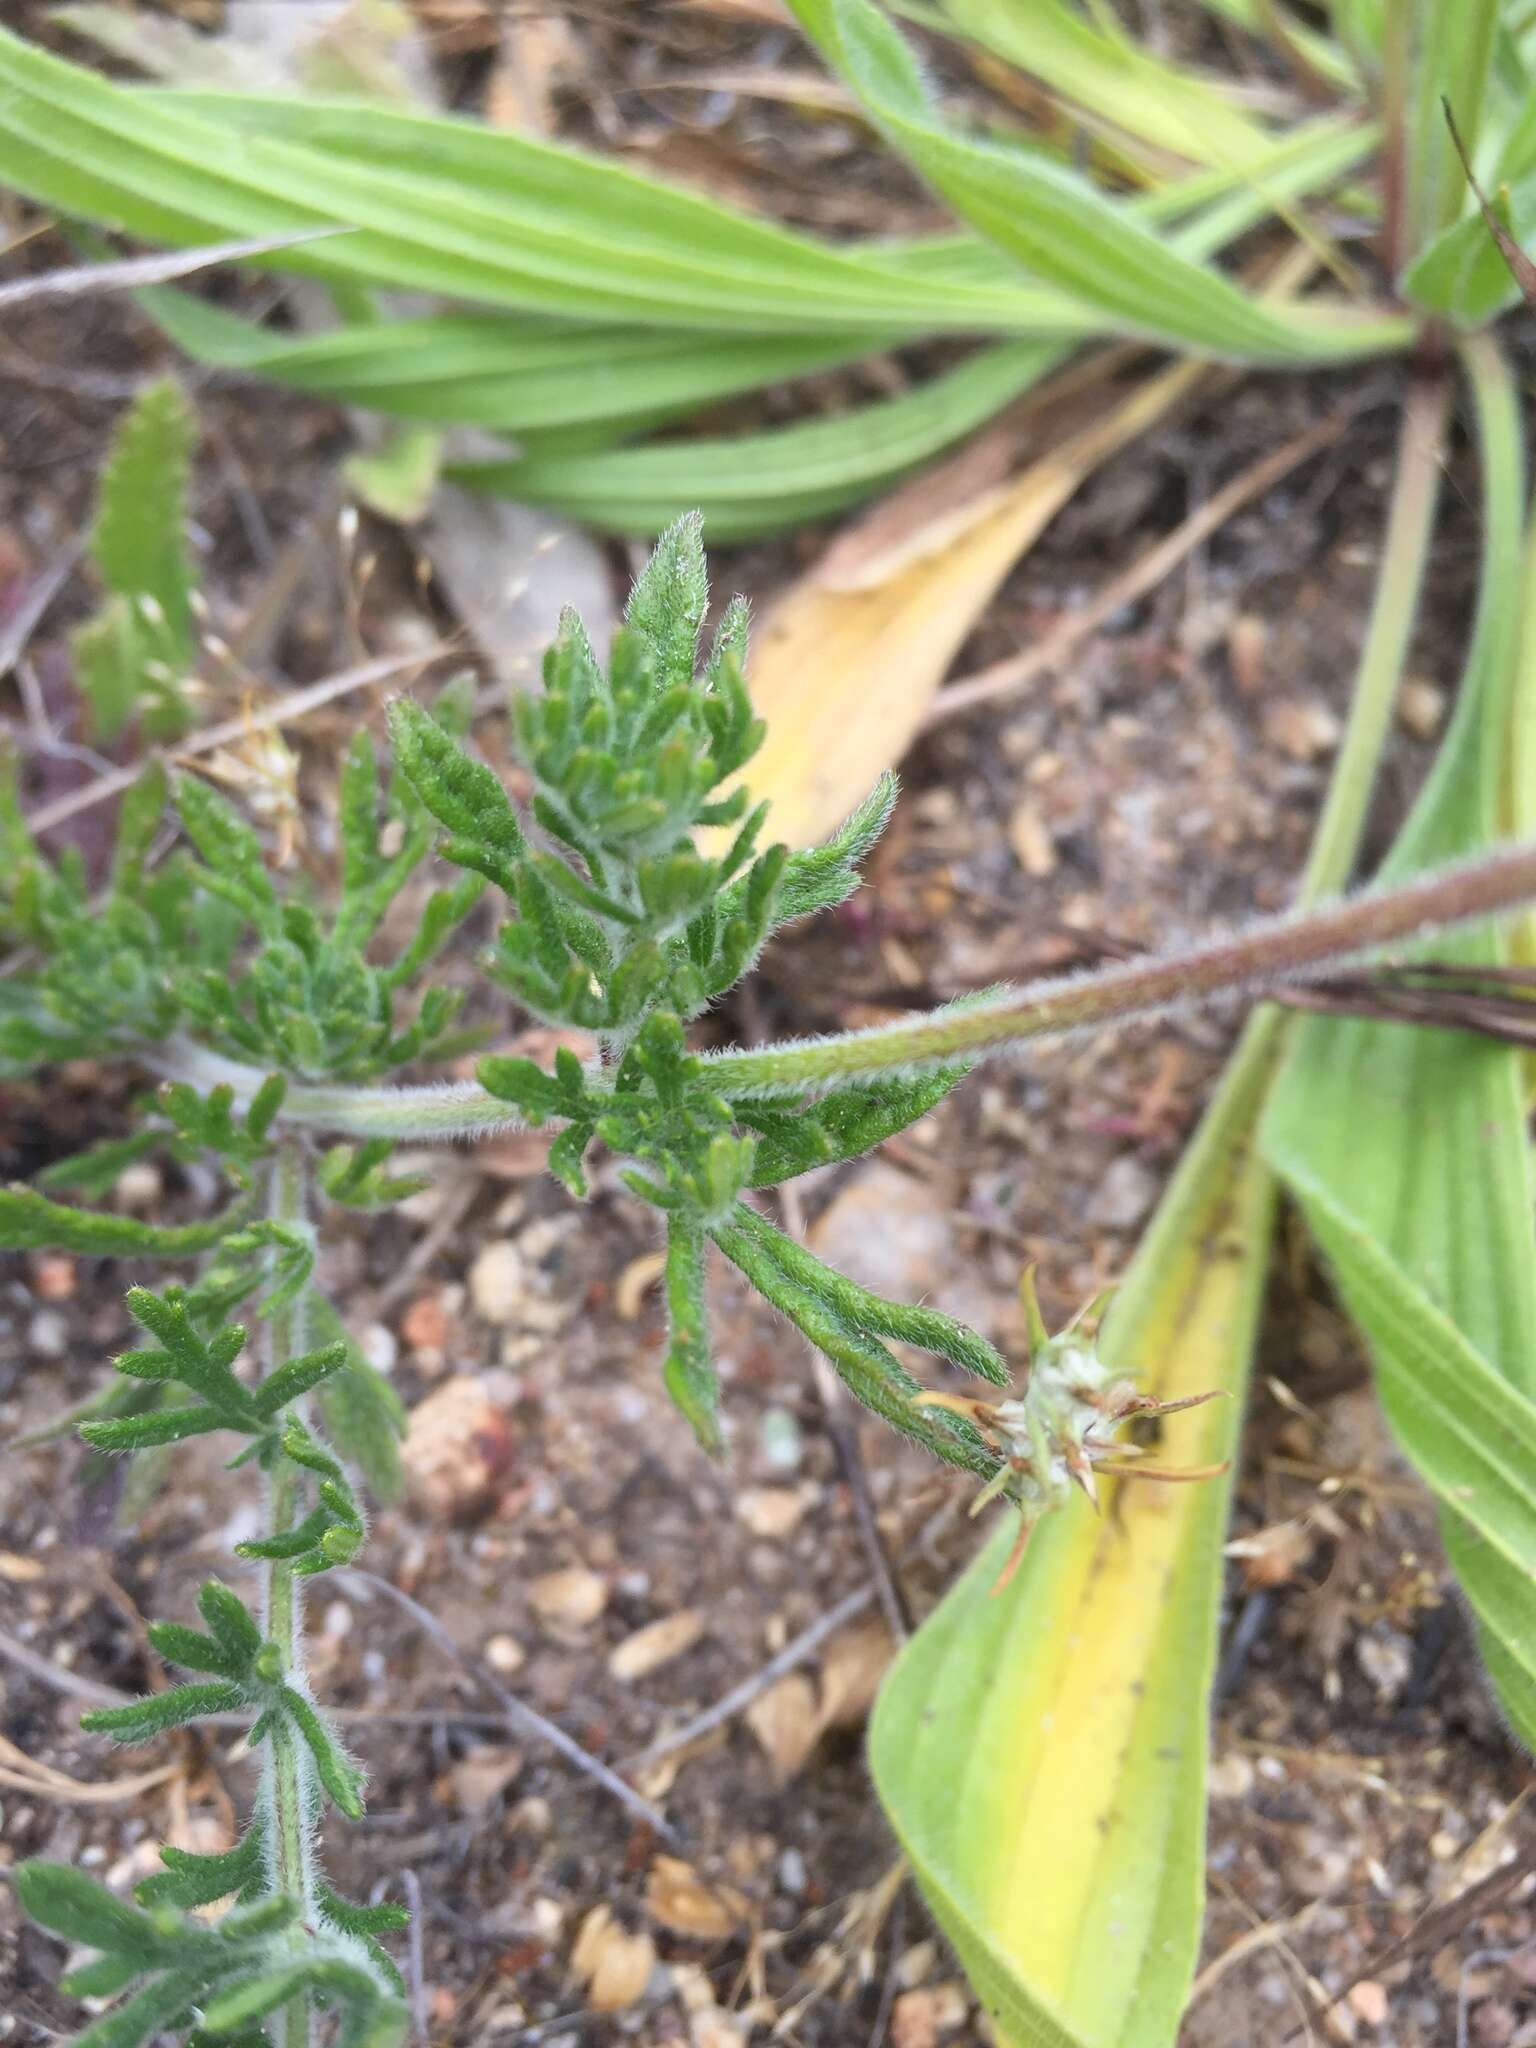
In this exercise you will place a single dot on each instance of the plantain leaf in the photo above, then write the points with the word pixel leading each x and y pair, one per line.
pixel 1120 86
pixel 1041 1754
pixel 446 205
pixel 746 484
pixel 1064 232
pixel 1408 1153
pixel 477 369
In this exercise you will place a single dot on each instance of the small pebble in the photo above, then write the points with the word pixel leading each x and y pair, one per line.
pixel 504 1654
pixel 1367 2000
pixel 570 1599
pixel 379 1347
pixel 1385 1655
pixel 1123 1196
pixel 48 1334
pixel 139 1186
pixel 53 1277
pixel 1421 707
pixel 1304 731
pixel 781 1441
pixel 1231 1776
pixel 770 1511
pixel 497 1283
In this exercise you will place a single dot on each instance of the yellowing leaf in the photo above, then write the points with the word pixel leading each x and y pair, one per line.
pixel 843 677
pixel 1042 1753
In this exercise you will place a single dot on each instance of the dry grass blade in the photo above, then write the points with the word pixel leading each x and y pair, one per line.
pixel 1521 268
pixel 25 1774
pixel 134 272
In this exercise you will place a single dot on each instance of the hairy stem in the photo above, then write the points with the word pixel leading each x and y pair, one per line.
pixel 288 1778
pixel 442 1109
pixel 1263 957
pixel 1252 962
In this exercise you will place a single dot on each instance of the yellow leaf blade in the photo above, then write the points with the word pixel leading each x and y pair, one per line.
pixel 1042 1753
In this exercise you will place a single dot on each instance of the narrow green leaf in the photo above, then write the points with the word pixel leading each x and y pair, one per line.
pixel 667 604
pixel 97 1170
pixel 297 1376
pixel 1056 224
pixel 337 1773
pixel 29 1221
pixel 142 1720
pixel 194 1651
pixel 138 542
pixel 360 1408
pixel 166 2002
pixel 1408 1149
pixel 524 378
pixel 159 1426
pixel 75 1906
pixel 1110 76
pixel 461 793
pixel 689 1372
pixel 190 1880
pixel 745 484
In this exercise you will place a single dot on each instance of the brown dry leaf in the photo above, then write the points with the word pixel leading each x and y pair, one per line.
pixel 636 1282
pixel 922 515
pixel 787 1722
pixel 479 1779
pixel 772 12
pixel 1272 1556
pixel 851 1670
pixel 677 1898
pixel 656 1644
pixel 614 1966
pixel 844 677
pixel 539 56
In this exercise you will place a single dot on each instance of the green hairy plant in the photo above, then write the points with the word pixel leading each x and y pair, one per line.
pixel 637 891
pixel 133 658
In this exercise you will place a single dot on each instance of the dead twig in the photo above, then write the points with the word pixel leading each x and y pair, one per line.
pixel 795 1653
pixel 1004 678
pixel 528 1720
pixel 282 711
pixel 19 630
